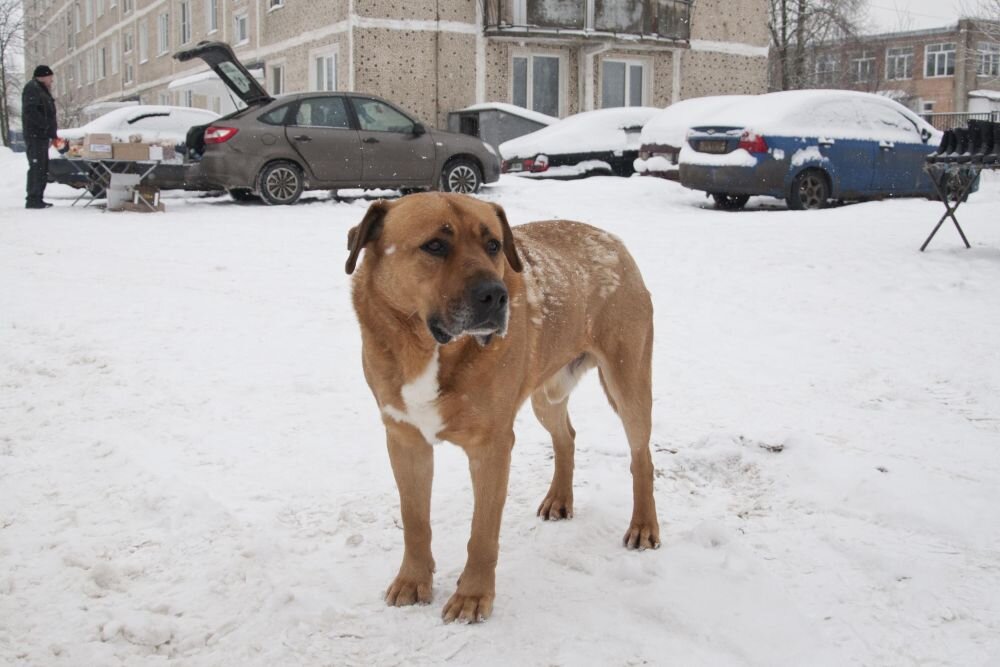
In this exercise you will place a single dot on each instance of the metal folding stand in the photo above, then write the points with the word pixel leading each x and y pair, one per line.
pixel 952 183
pixel 98 174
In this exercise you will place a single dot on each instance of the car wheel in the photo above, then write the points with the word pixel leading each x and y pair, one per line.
pixel 810 190
pixel 243 194
pixel 461 176
pixel 281 183
pixel 727 202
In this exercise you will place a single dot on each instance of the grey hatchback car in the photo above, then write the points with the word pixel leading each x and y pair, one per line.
pixel 276 148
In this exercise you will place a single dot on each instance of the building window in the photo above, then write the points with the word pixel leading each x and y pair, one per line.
pixel 126 6
pixel 128 41
pixel 277 79
pixel 623 83
pixel 325 72
pixel 100 8
pixel 112 4
pixel 163 33
pixel 988 63
pixel 927 107
pixel 863 68
pixel 241 29
pixel 189 98
pixel 274 4
pixel 899 63
pixel 211 15
pixel 102 63
pixel 826 69
pixel 185 21
pixel 114 55
pixel 70 35
pixel 536 83
pixel 939 60
pixel 90 66
pixel 88 12
pixel 76 18
pixel 143 41
pixel 164 99
pixel 129 73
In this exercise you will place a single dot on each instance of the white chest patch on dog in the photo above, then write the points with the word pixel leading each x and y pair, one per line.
pixel 420 402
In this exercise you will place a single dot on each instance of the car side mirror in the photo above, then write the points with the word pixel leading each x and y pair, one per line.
pixel 419 129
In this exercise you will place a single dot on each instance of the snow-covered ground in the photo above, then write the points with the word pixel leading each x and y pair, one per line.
pixel 192 469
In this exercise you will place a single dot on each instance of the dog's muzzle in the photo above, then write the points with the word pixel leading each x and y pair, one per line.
pixel 481 313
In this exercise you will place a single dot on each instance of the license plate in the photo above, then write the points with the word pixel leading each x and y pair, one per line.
pixel 712 146
pixel 515 166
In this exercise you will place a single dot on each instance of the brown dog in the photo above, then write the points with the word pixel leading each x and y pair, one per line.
pixel 462 319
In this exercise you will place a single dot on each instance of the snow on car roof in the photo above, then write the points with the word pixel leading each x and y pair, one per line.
pixel 514 110
pixel 813 112
pixel 114 120
pixel 589 131
pixel 670 126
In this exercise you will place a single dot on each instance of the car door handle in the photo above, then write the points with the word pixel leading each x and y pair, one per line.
pixel 826 142
pixel 370 140
pixel 302 137
pixel 886 145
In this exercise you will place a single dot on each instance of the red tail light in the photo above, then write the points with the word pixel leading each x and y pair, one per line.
pixel 752 142
pixel 219 135
pixel 540 163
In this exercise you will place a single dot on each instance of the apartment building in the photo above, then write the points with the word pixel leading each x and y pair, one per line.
pixel 430 56
pixel 951 69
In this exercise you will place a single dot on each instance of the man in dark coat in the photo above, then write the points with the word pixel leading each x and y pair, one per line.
pixel 38 121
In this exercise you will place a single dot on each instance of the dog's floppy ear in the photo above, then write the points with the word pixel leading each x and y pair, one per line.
pixel 509 249
pixel 369 230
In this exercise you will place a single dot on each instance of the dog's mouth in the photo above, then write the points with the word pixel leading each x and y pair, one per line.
pixel 483 332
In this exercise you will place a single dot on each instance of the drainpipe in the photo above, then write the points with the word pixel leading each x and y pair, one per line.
pixel 588 58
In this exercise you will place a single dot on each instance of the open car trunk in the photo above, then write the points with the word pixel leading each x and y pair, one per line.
pixel 220 57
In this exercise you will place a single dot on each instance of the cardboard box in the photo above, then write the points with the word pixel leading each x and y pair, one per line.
pixel 97 146
pixel 129 151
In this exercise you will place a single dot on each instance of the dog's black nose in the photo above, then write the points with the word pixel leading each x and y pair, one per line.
pixel 489 298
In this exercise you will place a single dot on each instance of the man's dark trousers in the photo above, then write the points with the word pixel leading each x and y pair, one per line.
pixel 38 167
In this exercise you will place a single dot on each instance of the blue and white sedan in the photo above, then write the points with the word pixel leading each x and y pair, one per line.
pixel 808 147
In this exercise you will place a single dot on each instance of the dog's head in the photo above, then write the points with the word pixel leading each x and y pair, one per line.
pixel 442 258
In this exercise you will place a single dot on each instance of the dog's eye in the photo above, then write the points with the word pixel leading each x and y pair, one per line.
pixel 492 247
pixel 435 247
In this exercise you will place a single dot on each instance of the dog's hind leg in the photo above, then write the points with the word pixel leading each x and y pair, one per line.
pixel 626 375
pixel 558 503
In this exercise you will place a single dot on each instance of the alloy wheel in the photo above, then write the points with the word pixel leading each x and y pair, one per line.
pixel 463 178
pixel 282 183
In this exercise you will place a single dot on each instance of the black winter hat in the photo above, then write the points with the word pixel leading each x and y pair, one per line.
pixel 43 70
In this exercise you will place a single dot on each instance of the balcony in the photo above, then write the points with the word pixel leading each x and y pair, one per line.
pixel 657 20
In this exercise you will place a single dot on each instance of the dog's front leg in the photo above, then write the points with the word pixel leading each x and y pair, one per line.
pixel 413 466
pixel 489 464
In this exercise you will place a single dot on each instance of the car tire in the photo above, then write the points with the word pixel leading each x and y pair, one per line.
pixel 461 176
pixel 281 183
pixel 243 195
pixel 728 202
pixel 810 190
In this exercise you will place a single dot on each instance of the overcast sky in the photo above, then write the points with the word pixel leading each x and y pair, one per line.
pixel 889 15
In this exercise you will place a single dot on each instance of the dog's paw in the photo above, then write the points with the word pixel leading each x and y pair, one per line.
pixel 468 608
pixel 556 506
pixel 642 535
pixel 408 590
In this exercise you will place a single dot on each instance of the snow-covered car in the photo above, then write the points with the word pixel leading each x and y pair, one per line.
pixel 153 123
pixel 808 147
pixel 149 123
pixel 662 137
pixel 605 141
